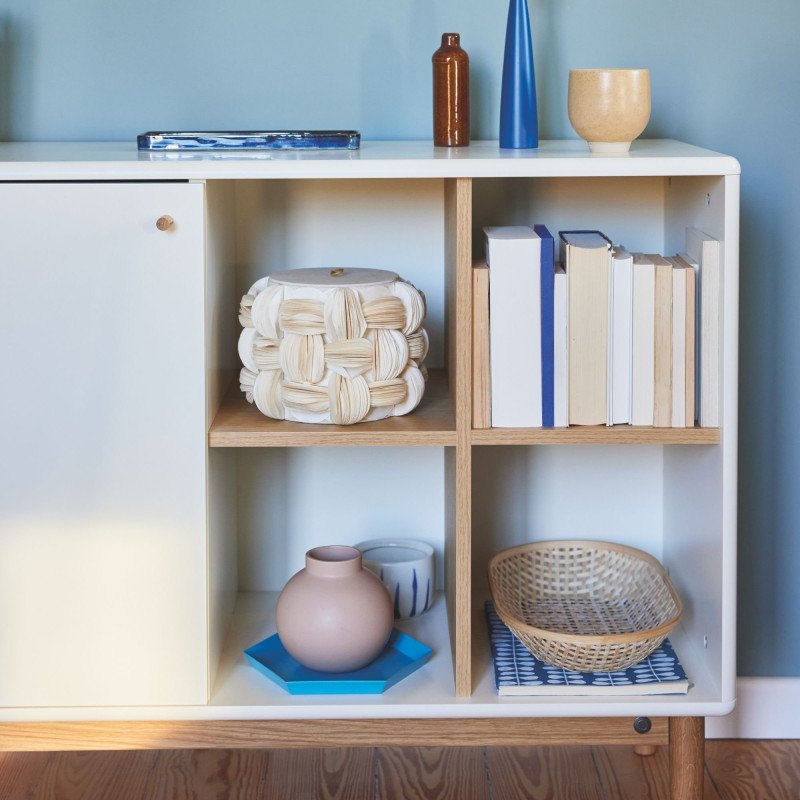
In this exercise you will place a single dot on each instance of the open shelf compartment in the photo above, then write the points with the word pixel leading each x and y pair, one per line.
pixel 660 499
pixel 278 488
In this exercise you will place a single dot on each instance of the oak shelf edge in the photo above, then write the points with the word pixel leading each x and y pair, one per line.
pixel 617 434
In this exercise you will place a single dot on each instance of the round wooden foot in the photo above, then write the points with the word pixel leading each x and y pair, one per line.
pixel 644 749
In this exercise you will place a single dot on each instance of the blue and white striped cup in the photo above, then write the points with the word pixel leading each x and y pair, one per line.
pixel 406 568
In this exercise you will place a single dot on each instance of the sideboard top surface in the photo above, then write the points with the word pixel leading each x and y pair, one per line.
pixel 45 161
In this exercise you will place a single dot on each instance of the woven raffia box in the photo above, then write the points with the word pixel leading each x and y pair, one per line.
pixel 335 346
pixel 585 606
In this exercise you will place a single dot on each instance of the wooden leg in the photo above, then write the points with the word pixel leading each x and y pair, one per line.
pixel 686 757
pixel 644 749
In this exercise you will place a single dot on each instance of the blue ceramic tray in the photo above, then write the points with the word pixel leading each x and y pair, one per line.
pixel 249 140
pixel 402 656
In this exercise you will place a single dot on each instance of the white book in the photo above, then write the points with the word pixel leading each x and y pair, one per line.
pixel 621 328
pixel 705 250
pixel 643 345
pixel 513 255
pixel 678 346
pixel 560 349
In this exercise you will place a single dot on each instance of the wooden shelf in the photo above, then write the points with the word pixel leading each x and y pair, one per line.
pixel 432 424
pixel 616 434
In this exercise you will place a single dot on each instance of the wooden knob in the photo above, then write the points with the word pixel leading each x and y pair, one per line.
pixel 165 223
pixel 335 273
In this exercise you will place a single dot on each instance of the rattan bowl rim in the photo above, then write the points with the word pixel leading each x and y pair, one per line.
pixel 585 639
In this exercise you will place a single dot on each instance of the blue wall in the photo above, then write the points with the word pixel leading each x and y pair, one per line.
pixel 725 73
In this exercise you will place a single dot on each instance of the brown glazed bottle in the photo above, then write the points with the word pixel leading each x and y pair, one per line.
pixel 450 93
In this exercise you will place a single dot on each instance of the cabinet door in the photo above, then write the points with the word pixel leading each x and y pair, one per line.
pixel 102 445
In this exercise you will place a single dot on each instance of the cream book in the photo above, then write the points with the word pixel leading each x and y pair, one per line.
pixel 643 340
pixel 705 251
pixel 691 344
pixel 481 380
pixel 560 349
pixel 515 350
pixel 690 338
pixel 621 330
pixel 662 362
pixel 586 256
pixel 694 267
pixel 678 345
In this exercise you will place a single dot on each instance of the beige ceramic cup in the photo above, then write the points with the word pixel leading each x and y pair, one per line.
pixel 609 107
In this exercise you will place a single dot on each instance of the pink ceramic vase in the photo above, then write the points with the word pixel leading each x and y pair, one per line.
pixel 334 615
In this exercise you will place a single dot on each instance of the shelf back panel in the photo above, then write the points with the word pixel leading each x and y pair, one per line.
pixel 630 211
pixel 396 225
pixel 527 494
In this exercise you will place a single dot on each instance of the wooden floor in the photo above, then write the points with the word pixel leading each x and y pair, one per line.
pixel 735 770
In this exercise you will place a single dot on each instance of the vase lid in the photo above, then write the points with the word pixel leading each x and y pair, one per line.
pixel 331 277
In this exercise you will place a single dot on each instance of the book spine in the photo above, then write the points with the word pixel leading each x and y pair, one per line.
pixel 643 346
pixel 621 324
pixel 691 344
pixel 678 347
pixel 705 252
pixel 694 266
pixel 588 279
pixel 709 363
pixel 560 352
pixel 662 399
pixel 547 279
pixel 515 332
pixel 481 379
pixel 610 349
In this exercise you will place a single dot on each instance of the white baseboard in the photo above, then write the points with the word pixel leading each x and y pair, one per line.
pixel 766 708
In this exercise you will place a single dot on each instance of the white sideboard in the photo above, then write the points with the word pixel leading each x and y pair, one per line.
pixel 148 518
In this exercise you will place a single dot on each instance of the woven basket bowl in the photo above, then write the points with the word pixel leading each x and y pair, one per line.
pixel 582 605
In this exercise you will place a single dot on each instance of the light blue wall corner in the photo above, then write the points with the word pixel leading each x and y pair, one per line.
pixel 725 74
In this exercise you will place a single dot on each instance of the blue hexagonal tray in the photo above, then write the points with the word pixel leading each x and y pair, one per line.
pixel 402 656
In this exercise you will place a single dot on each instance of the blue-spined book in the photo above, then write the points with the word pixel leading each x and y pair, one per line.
pixel 546 294
pixel 518 672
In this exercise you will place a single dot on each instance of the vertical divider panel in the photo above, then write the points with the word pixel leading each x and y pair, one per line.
pixel 729 387
pixel 220 361
pixel 458 460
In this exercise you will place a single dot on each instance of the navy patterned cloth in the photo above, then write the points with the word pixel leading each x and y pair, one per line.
pixel 518 671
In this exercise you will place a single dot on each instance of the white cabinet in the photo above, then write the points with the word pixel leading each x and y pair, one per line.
pixel 148 516
pixel 102 447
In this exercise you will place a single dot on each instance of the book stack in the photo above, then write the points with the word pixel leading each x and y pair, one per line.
pixel 603 337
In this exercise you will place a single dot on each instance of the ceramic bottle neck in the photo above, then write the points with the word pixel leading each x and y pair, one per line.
pixel 333 561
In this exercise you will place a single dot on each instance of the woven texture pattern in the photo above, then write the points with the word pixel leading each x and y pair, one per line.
pixel 584 606
pixel 338 355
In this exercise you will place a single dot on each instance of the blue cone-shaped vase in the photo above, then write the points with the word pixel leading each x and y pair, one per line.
pixel 519 122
